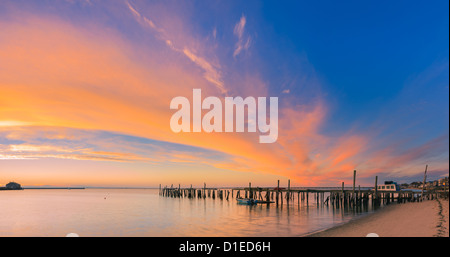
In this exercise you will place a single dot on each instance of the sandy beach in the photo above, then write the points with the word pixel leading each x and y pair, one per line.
pixel 425 219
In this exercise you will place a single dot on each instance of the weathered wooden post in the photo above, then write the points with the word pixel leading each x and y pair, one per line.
pixel 424 181
pixel 375 196
pixel 204 190
pixel 354 182
pixel 289 191
pixel 278 189
pixel 358 197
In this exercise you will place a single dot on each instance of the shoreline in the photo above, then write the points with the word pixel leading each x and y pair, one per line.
pixel 418 219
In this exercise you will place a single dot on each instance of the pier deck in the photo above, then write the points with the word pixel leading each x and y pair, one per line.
pixel 335 196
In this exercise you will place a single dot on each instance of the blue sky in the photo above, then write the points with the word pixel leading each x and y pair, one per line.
pixel 364 52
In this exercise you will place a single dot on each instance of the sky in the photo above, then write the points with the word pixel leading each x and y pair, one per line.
pixel 86 86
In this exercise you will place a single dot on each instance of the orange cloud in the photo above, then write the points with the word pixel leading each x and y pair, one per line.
pixel 79 80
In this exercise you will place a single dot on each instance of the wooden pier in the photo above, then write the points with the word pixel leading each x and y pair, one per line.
pixel 337 197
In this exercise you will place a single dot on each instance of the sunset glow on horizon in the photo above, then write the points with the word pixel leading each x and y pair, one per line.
pixel 85 89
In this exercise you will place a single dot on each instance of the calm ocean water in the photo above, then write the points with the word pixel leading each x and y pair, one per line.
pixel 142 212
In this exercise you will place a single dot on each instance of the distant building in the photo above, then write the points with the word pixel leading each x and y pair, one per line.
pixel 431 183
pixel 443 181
pixel 13 186
pixel 416 184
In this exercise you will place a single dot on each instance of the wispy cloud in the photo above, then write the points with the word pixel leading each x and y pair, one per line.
pixel 211 72
pixel 83 2
pixel 134 11
pixel 12 123
pixel 77 144
pixel 242 43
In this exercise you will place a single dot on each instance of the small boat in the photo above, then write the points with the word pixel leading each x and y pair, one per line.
pixel 247 201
